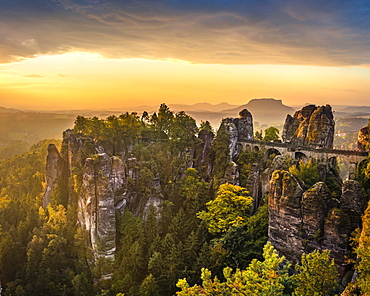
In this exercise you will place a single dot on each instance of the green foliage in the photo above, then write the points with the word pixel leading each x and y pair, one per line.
pixel 245 243
pixel 317 275
pixel 245 160
pixel 271 134
pixel 363 253
pixel 307 172
pixel 205 126
pixel 363 175
pixel 230 208
pixel 258 135
pixel 268 277
pixel 149 286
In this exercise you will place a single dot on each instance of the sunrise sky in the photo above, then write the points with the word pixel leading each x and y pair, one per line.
pixel 110 54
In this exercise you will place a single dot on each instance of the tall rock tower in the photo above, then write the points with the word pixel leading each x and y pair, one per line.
pixel 239 129
pixel 310 126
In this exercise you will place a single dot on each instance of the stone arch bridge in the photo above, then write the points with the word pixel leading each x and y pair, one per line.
pixel 352 157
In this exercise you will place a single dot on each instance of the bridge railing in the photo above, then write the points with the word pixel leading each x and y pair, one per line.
pixel 307 148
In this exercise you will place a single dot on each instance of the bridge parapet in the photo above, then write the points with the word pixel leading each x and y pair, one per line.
pixel 311 151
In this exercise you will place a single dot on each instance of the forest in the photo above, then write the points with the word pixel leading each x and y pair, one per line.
pixel 205 236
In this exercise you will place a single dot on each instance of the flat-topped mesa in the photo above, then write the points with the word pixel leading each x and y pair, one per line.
pixel 310 126
pixel 239 129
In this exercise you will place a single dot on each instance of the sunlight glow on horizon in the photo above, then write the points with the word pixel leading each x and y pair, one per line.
pixel 81 80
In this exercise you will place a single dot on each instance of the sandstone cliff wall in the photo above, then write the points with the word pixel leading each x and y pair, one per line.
pixel 304 220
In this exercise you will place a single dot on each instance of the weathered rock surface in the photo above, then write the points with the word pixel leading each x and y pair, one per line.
pixel 302 221
pixel 278 163
pixel 314 206
pixel 96 210
pixel 253 186
pixel 53 171
pixel 352 201
pixel 203 161
pixel 310 126
pixel 363 139
pixel 101 185
pixel 231 174
pixel 285 215
pixel 239 129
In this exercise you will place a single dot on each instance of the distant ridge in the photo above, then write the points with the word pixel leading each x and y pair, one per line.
pixel 264 105
pixel 8 110
pixel 265 110
pixel 198 107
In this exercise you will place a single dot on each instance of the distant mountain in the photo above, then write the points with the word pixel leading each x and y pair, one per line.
pixel 201 107
pixel 8 110
pixel 356 109
pixel 198 107
pixel 266 110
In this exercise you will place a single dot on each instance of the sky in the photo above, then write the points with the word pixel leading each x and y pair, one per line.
pixel 117 54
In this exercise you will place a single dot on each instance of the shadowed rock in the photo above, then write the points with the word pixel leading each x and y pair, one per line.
pixel 53 171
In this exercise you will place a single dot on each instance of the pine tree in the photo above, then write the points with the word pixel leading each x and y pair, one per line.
pixel 318 274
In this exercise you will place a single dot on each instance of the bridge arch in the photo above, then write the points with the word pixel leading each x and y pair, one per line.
pixel 300 156
pixel 271 153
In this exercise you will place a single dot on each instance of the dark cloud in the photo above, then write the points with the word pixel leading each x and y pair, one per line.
pixel 332 32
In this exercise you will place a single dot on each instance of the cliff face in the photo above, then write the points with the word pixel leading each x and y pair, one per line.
pixel 102 176
pixel 302 221
pixel 285 215
pixel 310 126
pixel 53 171
pixel 363 138
pixel 100 184
pixel 239 129
pixel 103 186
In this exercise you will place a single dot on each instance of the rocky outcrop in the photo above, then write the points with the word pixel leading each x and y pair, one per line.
pixel 364 139
pixel 310 126
pixel 103 187
pixel 253 186
pixel 102 175
pixel 53 171
pixel 206 136
pixel 304 220
pixel 278 163
pixel 285 215
pixel 239 129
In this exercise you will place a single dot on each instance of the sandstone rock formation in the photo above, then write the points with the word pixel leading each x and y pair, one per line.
pixel 310 126
pixel 302 221
pixel 364 139
pixel 204 149
pixel 239 129
pixel 101 185
pixel 53 171
pixel 96 205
